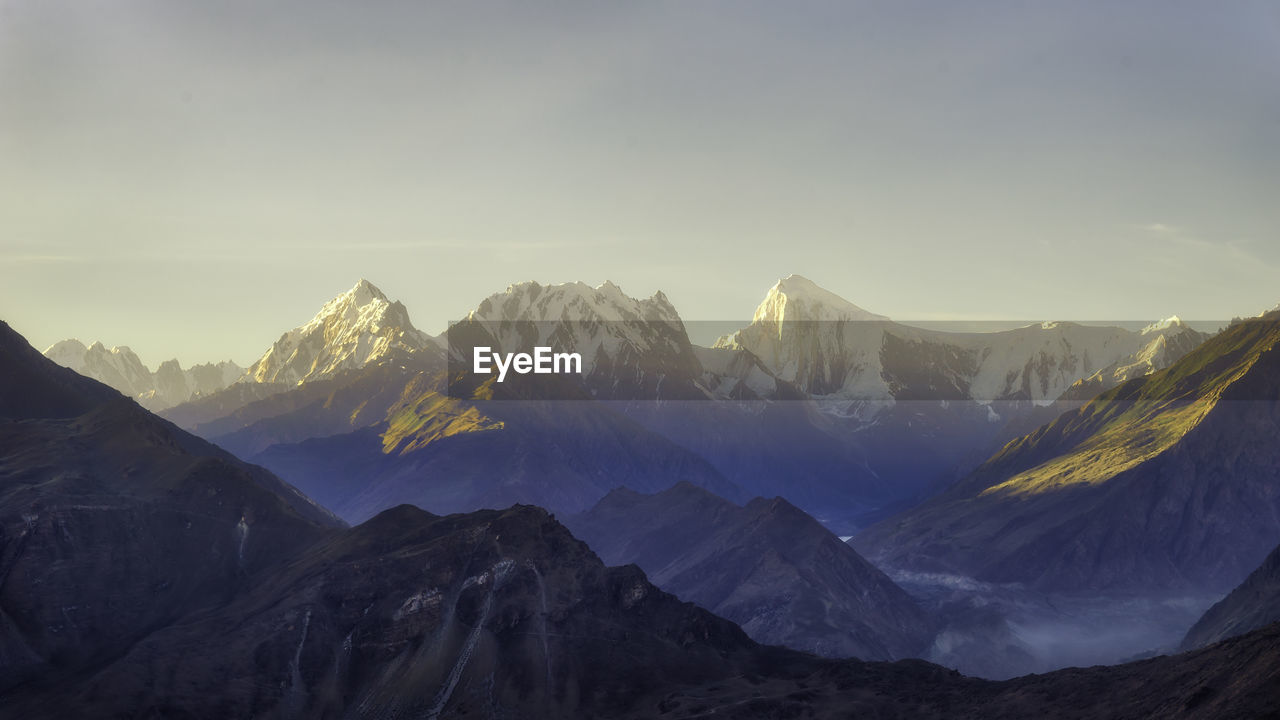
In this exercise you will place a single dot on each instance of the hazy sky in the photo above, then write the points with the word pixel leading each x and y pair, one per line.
pixel 193 178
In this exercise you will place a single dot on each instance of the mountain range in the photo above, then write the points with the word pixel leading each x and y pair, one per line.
pixel 120 368
pixel 800 333
pixel 844 412
pixel 843 415
pixel 147 573
pixel 827 346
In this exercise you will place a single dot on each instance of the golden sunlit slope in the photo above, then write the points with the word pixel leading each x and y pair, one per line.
pixel 1167 481
pixel 424 415
pixel 1135 422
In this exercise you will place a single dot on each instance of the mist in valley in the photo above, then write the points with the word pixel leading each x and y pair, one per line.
pixel 1000 631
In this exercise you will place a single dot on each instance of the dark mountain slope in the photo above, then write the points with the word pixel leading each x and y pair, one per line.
pixel 411 614
pixel 503 613
pixel 114 522
pixel 1255 603
pixel 1233 679
pixel 32 388
pixel 767 566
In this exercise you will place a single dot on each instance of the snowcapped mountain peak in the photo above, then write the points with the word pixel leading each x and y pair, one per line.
pixel 796 297
pixel 571 302
pixel 827 346
pixel 67 353
pixel 1170 323
pixel 605 325
pixel 364 296
pixel 810 336
pixel 365 292
pixel 352 330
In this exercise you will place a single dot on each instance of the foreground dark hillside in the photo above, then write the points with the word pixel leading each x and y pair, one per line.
pixel 114 523
pixel 503 613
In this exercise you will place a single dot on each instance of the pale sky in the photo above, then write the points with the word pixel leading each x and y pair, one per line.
pixel 193 178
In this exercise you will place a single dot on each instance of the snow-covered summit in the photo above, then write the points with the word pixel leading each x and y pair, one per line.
pixel 352 330
pixel 827 346
pixel 1173 322
pixel 572 302
pixel 118 367
pixel 602 323
pixel 816 339
pixel 67 353
pixel 797 298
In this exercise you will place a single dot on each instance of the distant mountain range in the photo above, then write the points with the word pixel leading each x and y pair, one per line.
pixel 827 346
pixel 800 333
pixel 845 412
pixel 120 368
